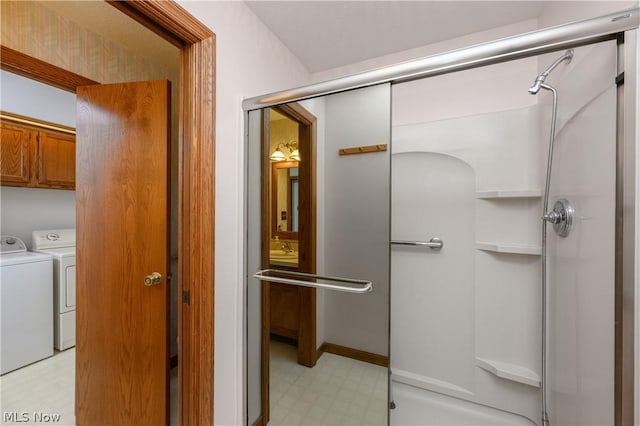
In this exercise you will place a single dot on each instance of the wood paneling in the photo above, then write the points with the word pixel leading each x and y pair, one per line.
pixel 34 29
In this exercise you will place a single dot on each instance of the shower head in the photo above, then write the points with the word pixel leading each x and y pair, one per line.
pixel 537 84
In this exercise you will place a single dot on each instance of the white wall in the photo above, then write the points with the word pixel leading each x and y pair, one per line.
pixel 431 49
pixel 26 209
pixel 250 61
pixel 356 216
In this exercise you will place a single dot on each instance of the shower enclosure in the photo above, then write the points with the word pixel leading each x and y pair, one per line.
pixel 475 334
pixel 478 182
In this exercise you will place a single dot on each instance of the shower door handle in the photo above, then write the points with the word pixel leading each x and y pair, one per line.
pixel 434 243
pixel 348 285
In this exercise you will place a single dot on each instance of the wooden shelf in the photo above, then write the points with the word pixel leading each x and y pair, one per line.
pixel 515 373
pixel 509 248
pixel 362 149
pixel 524 193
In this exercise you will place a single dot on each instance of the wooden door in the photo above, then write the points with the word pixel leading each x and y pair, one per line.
pixel 122 192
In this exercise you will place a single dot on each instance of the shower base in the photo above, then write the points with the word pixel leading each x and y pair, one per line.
pixel 416 406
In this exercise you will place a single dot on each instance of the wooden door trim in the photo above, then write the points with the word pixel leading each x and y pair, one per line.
pixel 36 69
pixel 196 214
pixel 307 345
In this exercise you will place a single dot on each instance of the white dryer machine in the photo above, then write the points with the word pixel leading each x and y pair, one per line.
pixel 26 305
pixel 61 244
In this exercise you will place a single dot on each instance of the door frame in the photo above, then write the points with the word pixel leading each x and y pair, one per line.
pixel 196 174
pixel 307 353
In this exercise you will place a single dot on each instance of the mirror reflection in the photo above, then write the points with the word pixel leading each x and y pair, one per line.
pixel 285 198
pixel 318 204
pixel 283 136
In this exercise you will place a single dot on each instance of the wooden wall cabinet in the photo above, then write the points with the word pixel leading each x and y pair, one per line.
pixel 15 154
pixel 36 154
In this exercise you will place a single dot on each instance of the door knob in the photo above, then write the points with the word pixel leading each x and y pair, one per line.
pixel 153 279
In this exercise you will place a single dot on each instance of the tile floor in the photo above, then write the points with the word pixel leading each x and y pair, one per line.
pixel 47 387
pixel 337 391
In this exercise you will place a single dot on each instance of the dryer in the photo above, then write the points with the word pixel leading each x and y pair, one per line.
pixel 61 244
pixel 26 304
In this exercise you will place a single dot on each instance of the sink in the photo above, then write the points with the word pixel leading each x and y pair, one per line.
pixel 283 255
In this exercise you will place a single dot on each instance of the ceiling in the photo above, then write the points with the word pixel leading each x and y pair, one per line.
pixel 323 34
pixel 329 34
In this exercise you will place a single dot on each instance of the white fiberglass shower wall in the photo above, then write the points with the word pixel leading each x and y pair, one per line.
pixel 468 166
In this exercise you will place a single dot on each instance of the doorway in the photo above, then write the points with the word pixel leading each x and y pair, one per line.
pixel 289 233
pixel 196 188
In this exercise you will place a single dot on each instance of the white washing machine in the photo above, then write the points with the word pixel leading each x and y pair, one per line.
pixel 61 244
pixel 26 303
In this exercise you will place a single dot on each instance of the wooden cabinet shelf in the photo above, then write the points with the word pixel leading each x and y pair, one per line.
pixel 36 154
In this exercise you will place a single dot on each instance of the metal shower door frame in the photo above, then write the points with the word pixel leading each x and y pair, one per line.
pixel 611 26
pixel 627 374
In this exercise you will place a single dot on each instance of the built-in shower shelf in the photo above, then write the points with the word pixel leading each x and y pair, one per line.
pixel 525 193
pixel 509 248
pixel 508 371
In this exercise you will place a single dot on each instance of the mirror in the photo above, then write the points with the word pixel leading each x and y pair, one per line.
pixel 284 129
pixel 284 199
pixel 319 355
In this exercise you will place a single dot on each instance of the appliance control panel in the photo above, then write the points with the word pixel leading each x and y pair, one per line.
pixel 9 244
pixel 53 238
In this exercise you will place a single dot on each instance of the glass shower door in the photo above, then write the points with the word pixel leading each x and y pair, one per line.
pixel 318 292
pixel 581 270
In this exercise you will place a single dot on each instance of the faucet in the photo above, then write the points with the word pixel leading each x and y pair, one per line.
pixel 286 247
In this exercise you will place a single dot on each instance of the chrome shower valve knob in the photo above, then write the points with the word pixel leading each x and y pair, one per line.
pixel 553 217
pixel 561 217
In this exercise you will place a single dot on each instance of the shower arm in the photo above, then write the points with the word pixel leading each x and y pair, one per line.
pixel 568 55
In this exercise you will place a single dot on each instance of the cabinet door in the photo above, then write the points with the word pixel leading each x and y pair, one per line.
pixel 285 310
pixel 15 158
pixel 56 160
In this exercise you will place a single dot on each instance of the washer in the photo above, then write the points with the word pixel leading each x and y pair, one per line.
pixel 26 301
pixel 61 244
